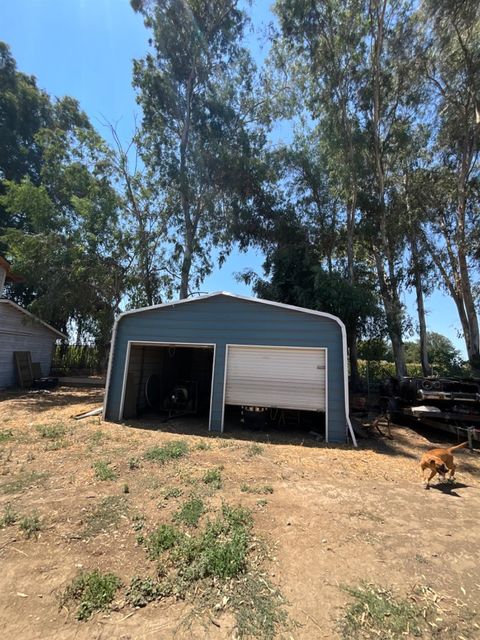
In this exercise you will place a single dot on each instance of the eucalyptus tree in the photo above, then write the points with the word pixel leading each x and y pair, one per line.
pixel 453 70
pixel 143 221
pixel 195 89
pixel 363 90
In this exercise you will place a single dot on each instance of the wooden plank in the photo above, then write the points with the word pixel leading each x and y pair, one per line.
pixel 23 364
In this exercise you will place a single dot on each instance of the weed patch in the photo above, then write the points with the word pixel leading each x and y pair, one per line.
pixel 203 446
pixel 103 471
pixel 142 591
pixel 213 568
pixel 52 432
pixel 213 477
pixel 375 613
pixel 169 451
pixel 254 450
pixel 30 525
pixel 165 537
pixel 96 439
pixel 190 513
pixel 105 516
pixel 133 463
pixel 6 436
pixel 173 492
pixel 92 592
pixel 263 490
pixel 9 516
pixel 23 481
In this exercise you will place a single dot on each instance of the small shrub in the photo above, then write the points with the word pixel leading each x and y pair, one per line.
pixel 142 591
pixel 9 517
pixel 173 492
pixel 203 446
pixel 190 513
pixel 126 488
pixel 213 478
pixel 103 471
pixel 169 451
pixel 133 463
pixel 52 432
pixel 262 502
pixel 254 450
pixel 161 539
pixel 6 436
pixel 263 490
pixel 92 591
pixel 138 522
pixel 30 525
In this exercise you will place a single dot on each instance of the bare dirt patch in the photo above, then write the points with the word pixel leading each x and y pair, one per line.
pixel 333 528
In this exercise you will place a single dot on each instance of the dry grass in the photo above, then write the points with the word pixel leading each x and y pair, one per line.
pixel 334 517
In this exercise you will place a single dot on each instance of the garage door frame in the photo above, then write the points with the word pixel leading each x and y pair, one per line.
pixel 277 346
pixel 155 343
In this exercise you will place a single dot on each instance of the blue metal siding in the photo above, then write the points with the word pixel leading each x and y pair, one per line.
pixel 223 320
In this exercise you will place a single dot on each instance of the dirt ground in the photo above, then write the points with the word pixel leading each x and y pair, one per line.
pixel 336 517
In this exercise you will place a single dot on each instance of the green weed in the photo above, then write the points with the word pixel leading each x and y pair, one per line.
pixel 52 432
pixel 263 490
pixel 169 451
pixel 213 477
pixel 173 492
pixel 203 446
pixel 190 513
pixel 142 591
pixel 161 539
pixel 9 516
pixel 103 471
pixel 214 562
pixel 23 481
pixel 254 450
pixel 92 591
pixel 30 525
pixel 376 613
pixel 133 463
pixel 6 436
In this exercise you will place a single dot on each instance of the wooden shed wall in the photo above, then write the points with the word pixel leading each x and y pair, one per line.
pixel 18 332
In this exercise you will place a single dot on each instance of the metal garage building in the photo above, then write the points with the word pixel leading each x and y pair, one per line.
pixel 239 351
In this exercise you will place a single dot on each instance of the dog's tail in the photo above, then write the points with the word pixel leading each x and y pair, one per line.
pixel 458 446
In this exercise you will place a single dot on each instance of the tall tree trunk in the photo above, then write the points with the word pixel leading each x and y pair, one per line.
pixel 426 368
pixel 393 313
pixel 185 272
pixel 353 358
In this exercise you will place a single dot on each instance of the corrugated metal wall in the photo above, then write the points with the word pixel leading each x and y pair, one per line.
pixel 19 333
pixel 226 320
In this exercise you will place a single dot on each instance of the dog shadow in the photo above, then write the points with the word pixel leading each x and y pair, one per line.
pixel 448 488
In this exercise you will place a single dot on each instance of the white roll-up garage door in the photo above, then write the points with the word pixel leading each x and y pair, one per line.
pixel 283 377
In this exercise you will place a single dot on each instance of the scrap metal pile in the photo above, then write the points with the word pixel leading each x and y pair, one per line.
pixel 451 404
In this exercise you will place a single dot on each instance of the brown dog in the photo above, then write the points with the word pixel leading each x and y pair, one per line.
pixel 439 461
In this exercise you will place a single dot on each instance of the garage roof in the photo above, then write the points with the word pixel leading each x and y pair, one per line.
pixel 238 297
pixel 17 307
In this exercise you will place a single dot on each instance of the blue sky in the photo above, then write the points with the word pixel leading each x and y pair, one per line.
pixel 84 48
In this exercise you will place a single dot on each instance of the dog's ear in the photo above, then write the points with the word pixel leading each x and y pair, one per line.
pixel 431 463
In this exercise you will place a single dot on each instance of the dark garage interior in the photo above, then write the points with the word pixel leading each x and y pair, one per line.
pixel 168 381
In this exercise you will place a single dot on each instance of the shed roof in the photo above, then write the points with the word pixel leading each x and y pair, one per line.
pixel 238 297
pixel 17 307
